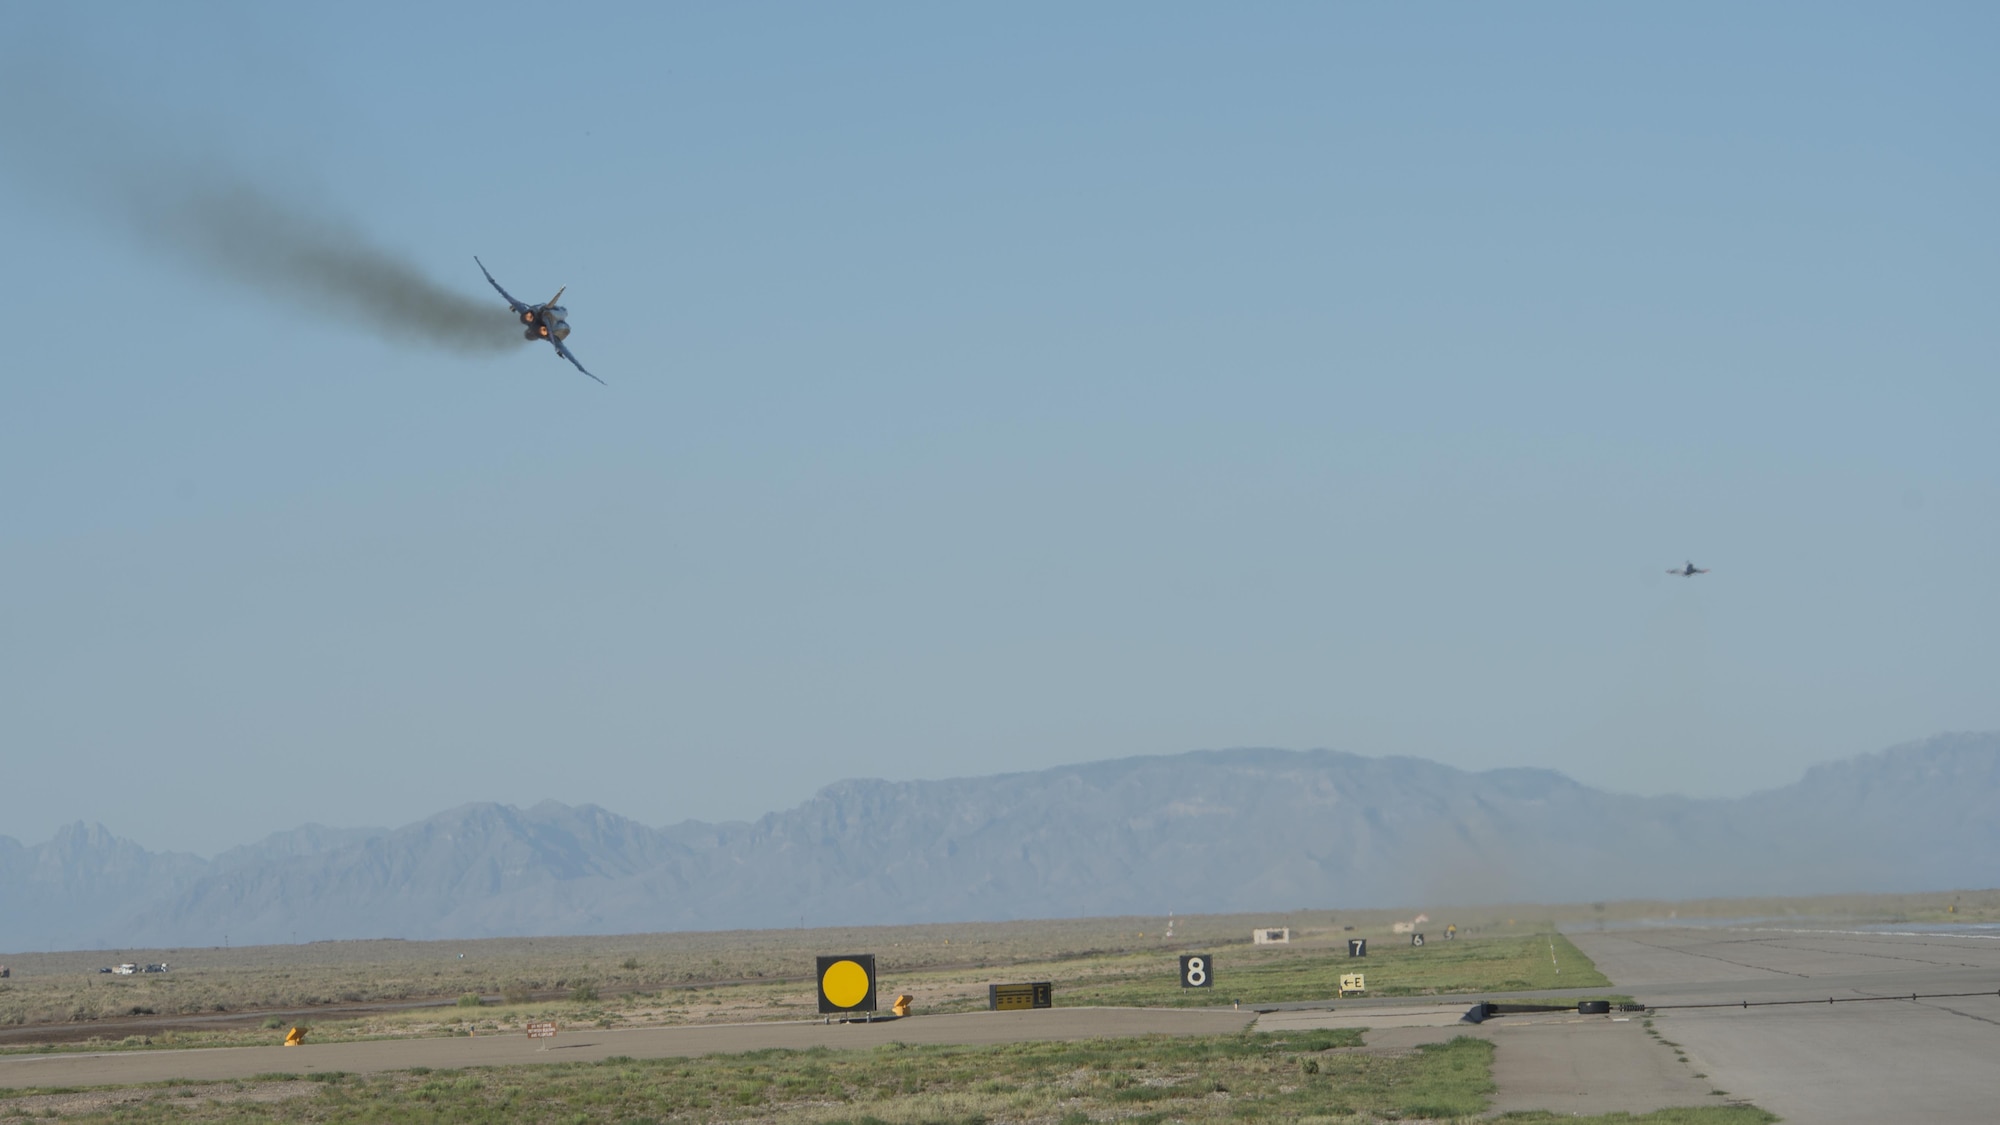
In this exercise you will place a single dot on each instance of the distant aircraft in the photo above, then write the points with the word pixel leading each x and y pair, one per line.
pixel 545 321
pixel 1688 571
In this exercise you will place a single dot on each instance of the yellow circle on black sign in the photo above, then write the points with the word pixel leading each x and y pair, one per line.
pixel 844 983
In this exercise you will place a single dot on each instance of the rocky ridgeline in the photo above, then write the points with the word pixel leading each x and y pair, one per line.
pixel 1231 830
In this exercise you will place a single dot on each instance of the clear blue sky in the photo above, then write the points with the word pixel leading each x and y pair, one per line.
pixel 998 388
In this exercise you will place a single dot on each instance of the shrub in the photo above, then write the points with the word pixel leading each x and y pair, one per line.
pixel 471 1000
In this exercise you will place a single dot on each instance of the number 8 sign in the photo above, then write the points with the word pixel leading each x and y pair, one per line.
pixel 1197 971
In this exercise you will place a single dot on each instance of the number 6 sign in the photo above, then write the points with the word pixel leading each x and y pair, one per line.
pixel 1197 971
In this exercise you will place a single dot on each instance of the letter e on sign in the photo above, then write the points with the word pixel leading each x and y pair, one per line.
pixel 1197 971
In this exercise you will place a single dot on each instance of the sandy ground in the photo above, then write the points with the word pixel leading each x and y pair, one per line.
pixel 590 1044
pixel 95 1101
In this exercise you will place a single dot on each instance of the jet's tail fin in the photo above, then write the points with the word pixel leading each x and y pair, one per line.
pixel 558 296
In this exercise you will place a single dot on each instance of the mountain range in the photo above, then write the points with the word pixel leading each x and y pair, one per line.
pixel 1208 831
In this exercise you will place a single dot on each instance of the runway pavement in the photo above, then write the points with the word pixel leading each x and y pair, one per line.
pixel 1932 1060
pixel 1556 1061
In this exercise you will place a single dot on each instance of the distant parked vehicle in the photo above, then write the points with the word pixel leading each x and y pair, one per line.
pixel 159 968
pixel 125 970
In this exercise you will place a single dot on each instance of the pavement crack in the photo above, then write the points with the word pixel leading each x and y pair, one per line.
pixel 1715 957
pixel 1967 1015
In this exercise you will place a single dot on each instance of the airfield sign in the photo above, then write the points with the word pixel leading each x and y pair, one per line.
pixel 541 1029
pixel 846 983
pixel 1416 939
pixel 1197 971
pixel 1357 947
pixel 1020 997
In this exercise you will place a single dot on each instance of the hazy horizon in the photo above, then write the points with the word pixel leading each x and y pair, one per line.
pixel 988 390
pixel 612 806
pixel 1195 832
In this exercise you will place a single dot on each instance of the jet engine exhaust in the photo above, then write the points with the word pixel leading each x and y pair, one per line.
pixel 322 264
pixel 110 166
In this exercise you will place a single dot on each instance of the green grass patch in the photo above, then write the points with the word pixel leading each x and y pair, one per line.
pixel 1500 963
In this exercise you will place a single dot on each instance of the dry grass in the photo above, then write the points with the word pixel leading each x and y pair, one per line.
pixel 673 977
pixel 1317 1076
pixel 661 979
pixel 666 979
pixel 1477 962
pixel 84 1102
pixel 1211 1079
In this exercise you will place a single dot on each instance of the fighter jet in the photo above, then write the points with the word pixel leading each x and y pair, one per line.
pixel 1688 571
pixel 545 321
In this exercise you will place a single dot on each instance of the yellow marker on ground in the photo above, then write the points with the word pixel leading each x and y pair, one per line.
pixel 1352 982
pixel 847 984
pixel 295 1036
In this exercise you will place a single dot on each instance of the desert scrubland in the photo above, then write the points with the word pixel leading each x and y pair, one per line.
pixel 389 988
pixel 377 988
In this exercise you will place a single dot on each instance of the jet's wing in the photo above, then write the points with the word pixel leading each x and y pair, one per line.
pixel 515 305
pixel 564 352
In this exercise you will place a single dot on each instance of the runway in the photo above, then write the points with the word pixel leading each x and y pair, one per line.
pixel 1884 1060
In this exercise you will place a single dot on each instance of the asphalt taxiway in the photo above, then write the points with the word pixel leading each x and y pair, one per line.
pixel 1776 1041
pixel 1562 1062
